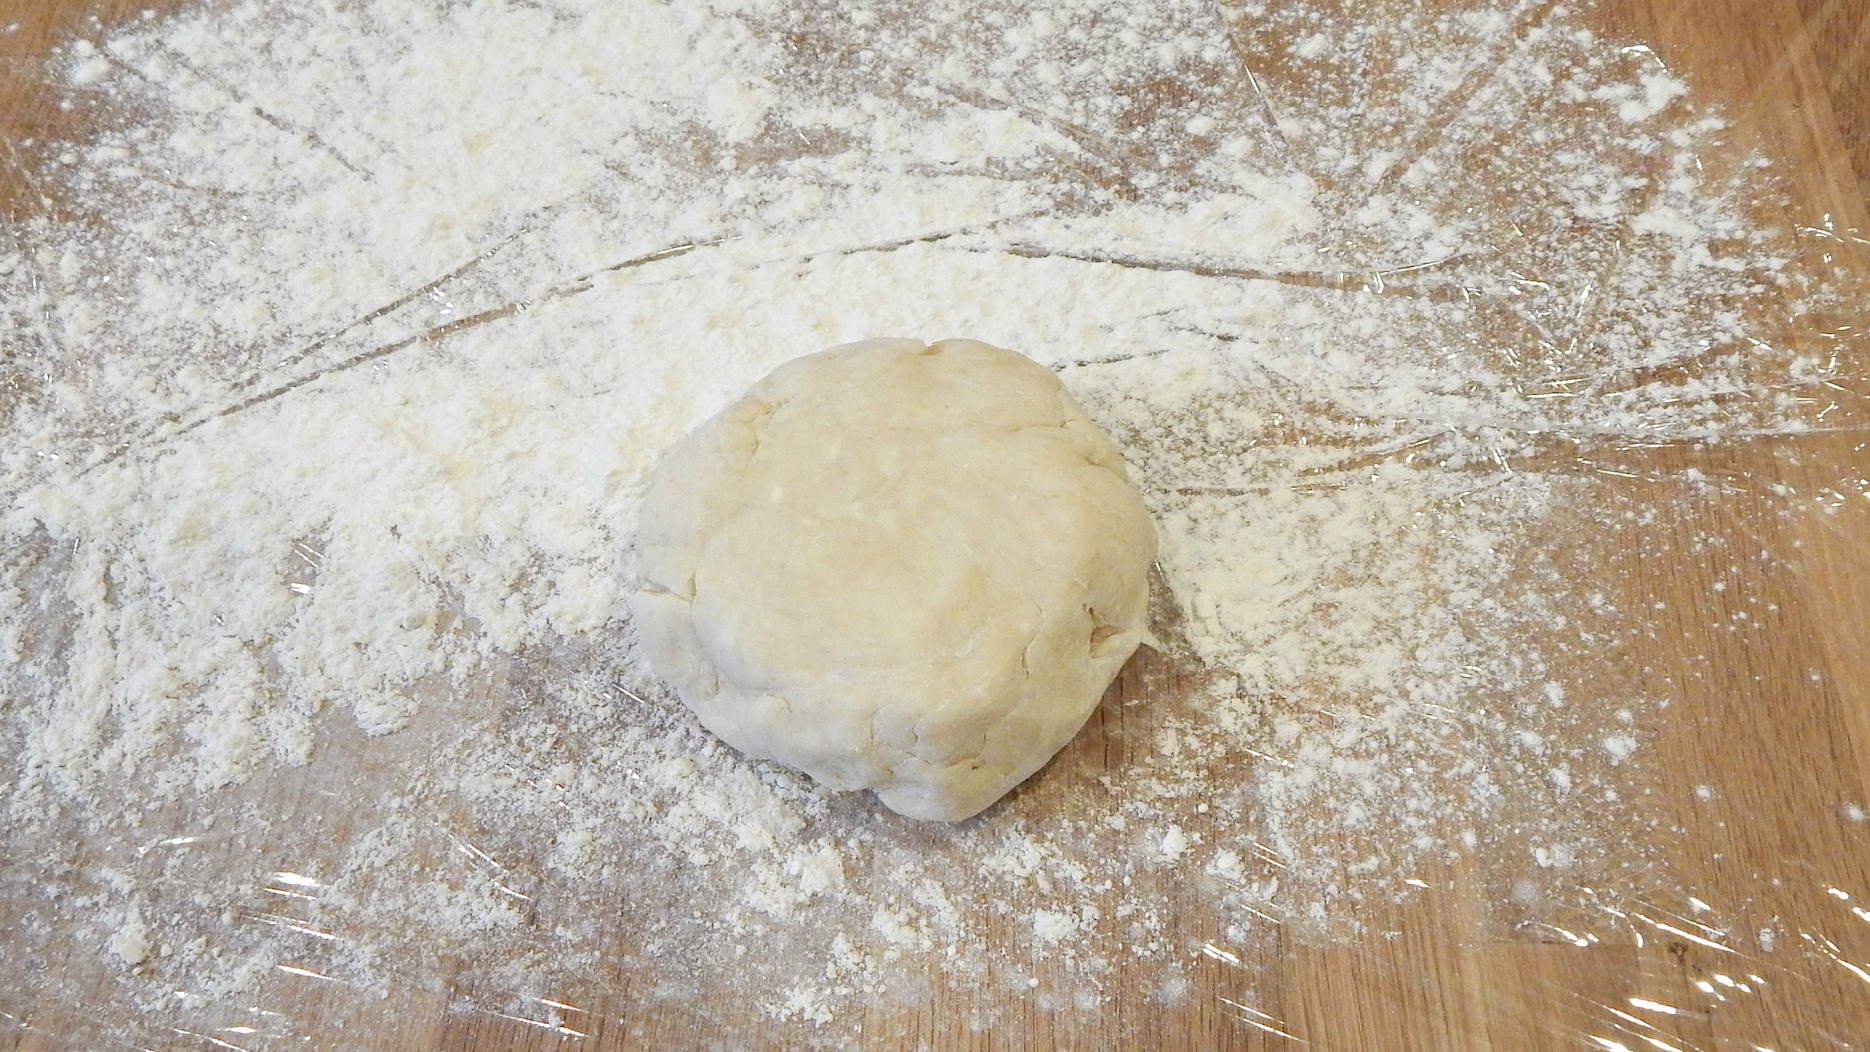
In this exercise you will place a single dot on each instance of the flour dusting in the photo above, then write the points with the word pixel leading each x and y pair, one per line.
pixel 324 452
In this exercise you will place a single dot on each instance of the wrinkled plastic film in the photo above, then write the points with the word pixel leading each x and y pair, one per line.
pixel 1498 402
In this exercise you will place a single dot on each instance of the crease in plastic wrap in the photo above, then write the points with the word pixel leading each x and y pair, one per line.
pixel 1497 401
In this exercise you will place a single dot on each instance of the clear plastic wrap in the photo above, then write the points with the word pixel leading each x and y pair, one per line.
pixel 1491 370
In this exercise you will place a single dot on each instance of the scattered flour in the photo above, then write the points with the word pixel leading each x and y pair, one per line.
pixel 130 942
pixel 323 456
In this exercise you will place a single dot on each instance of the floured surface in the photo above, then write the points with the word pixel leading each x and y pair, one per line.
pixel 1426 343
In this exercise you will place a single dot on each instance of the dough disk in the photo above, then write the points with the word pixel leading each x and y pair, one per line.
pixel 895 566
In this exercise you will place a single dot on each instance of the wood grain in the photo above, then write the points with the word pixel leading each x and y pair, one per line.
pixel 1747 790
pixel 29 115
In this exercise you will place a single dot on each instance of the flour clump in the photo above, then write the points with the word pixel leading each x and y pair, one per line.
pixel 912 568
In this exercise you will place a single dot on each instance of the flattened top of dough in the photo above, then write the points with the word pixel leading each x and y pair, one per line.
pixel 906 567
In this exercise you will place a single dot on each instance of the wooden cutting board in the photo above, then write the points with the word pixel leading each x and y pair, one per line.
pixel 1780 741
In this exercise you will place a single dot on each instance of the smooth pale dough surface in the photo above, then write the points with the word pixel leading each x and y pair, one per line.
pixel 896 566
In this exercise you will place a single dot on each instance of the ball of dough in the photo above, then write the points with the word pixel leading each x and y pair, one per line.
pixel 906 567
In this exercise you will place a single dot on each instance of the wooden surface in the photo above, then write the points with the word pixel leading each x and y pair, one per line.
pixel 1781 734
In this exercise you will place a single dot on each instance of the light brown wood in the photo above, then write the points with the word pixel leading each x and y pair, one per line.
pixel 1776 719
